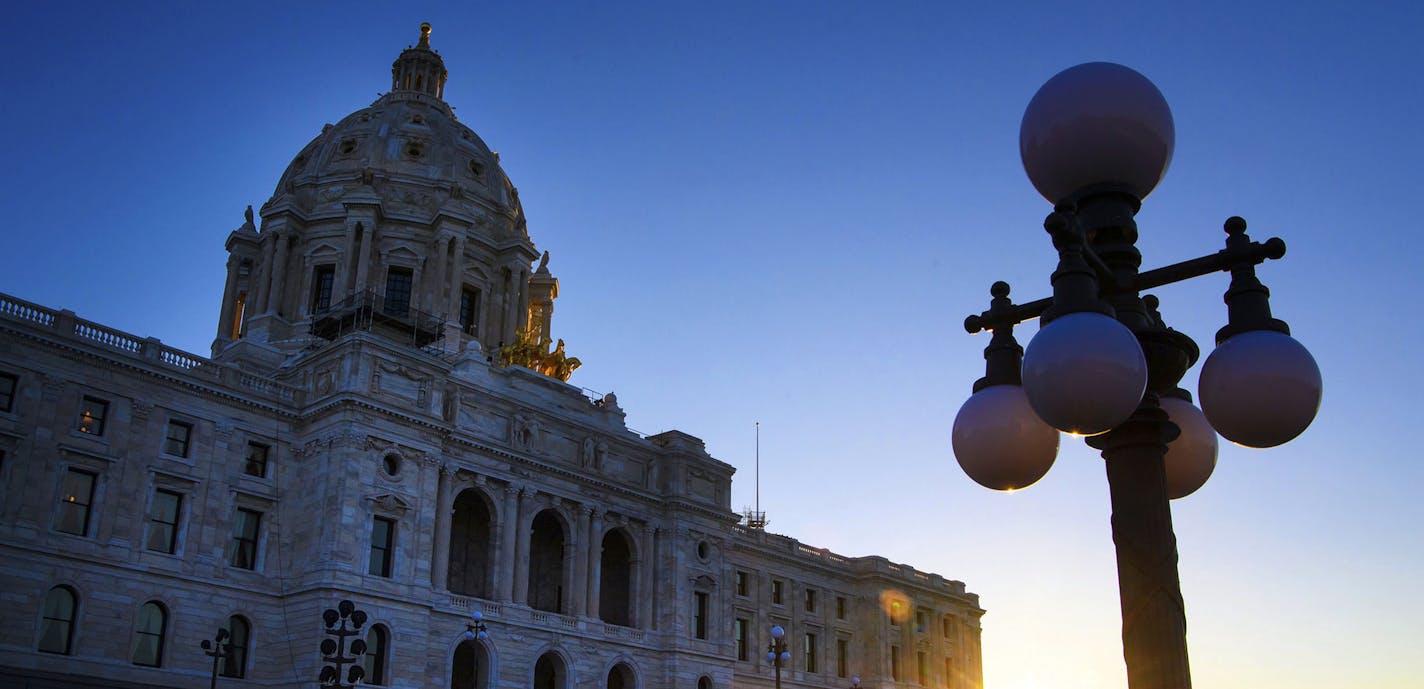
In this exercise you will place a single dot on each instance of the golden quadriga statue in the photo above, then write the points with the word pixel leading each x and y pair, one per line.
pixel 531 351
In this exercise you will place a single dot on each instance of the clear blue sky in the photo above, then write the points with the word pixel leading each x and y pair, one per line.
pixel 781 212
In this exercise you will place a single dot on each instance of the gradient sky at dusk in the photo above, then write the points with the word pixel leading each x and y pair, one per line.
pixel 781 212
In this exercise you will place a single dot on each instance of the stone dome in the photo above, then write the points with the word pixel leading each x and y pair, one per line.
pixel 406 151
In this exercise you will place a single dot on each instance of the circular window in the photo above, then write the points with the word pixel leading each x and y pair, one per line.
pixel 703 550
pixel 391 464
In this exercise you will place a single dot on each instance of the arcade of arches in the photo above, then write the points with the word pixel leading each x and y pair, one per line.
pixel 553 555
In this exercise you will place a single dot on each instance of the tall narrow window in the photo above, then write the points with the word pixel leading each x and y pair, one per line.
pixel 75 497
pixel 242 549
pixel 375 661
pixel 810 600
pixel 840 607
pixel 177 439
pixel 148 635
pixel 383 533
pixel 948 672
pixel 895 663
pixel 163 521
pixel 238 634
pixel 743 644
pixel 742 583
pixel 57 625
pixel 699 615
pixel 842 656
pixel 398 282
pixel 776 590
pixel 92 412
pixel 469 309
pixel 323 279
pixel 256 462
pixel 896 611
pixel 922 667
pixel 808 649
pixel 8 383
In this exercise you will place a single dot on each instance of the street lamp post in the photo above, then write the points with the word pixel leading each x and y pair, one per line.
pixel 335 649
pixel 475 629
pixel 777 653
pixel 217 650
pixel 854 683
pixel 1095 140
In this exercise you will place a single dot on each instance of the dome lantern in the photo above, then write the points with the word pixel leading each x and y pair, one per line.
pixel 420 68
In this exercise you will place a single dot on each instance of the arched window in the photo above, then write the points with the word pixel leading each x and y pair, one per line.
pixel 57 625
pixel 239 634
pixel 470 667
pixel 470 529
pixel 621 677
pixel 704 682
pixel 546 563
pixel 148 635
pixel 549 672
pixel 615 589
pixel 377 647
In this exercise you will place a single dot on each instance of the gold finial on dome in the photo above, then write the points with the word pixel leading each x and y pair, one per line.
pixel 425 35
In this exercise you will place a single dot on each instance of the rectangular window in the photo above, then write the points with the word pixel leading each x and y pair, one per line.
pixel 743 644
pixel 810 600
pixel 742 583
pixel 8 384
pixel 242 549
pixel 948 672
pixel 808 649
pixel 75 497
pixel 946 624
pixel 163 521
pixel 256 462
pixel 383 533
pixel 323 279
pixel 896 612
pixel 840 607
pixel 398 282
pixel 842 656
pixel 699 616
pixel 469 310
pixel 922 667
pixel 92 412
pixel 776 590
pixel 920 617
pixel 176 441
pixel 895 663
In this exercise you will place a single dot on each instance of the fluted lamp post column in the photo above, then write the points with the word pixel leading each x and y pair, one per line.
pixel 475 631
pixel 1095 140
pixel 777 653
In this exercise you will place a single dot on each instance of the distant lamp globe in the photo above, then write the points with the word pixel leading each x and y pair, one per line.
pixel 1191 457
pixel 1260 388
pixel 1000 442
pixel 1096 125
pixel 1084 373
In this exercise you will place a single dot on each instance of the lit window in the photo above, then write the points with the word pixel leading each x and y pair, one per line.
pixel 375 661
pixel 383 533
pixel 8 384
pixel 323 278
pixel 256 462
pixel 92 412
pixel 808 649
pixel 776 590
pixel 242 549
pixel 148 635
pixel 163 521
pixel 57 625
pixel 895 612
pixel 176 441
pixel 75 497
pixel 235 663
pixel 398 282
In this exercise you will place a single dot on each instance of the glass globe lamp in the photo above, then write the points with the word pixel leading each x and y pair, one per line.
pixel 1000 442
pixel 1260 388
pixel 1191 457
pixel 1084 373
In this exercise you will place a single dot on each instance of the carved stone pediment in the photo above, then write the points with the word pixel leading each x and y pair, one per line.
pixel 389 503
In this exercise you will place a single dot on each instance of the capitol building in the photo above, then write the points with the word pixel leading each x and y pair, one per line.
pixel 385 418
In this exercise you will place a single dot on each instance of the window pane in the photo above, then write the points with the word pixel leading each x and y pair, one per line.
pixel 398 282
pixel 242 550
pixel 235 664
pixel 469 310
pixel 58 620
pixel 375 660
pixel 163 521
pixel 7 391
pixel 75 496
pixel 382 533
pixel 176 442
pixel 323 277
pixel 91 415
pixel 148 636
pixel 256 464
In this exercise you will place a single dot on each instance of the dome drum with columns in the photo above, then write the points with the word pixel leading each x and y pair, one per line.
pixel 398 210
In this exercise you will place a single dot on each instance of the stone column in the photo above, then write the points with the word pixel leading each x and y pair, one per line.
pixel 363 267
pixel 579 591
pixel 595 561
pixel 457 281
pixel 229 300
pixel 521 547
pixel 647 577
pixel 341 286
pixel 444 510
pixel 435 282
pixel 279 276
pixel 263 284
pixel 509 520
pixel 567 577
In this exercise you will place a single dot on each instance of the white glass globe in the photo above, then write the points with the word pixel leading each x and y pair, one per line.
pixel 1192 456
pixel 1084 373
pixel 777 632
pixel 1260 388
pixel 1000 442
pixel 1096 123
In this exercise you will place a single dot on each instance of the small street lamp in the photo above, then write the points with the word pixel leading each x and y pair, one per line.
pixel 776 652
pixel 334 650
pixel 475 630
pixel 855 683
pixel 1095 140
pixel 217 650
